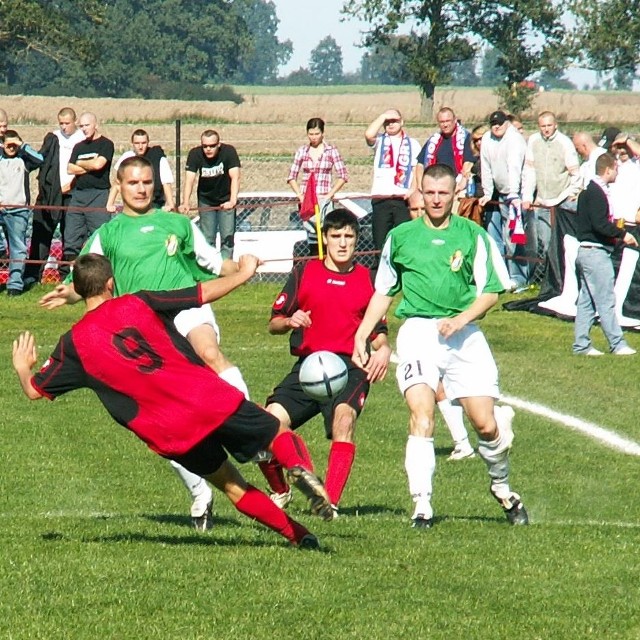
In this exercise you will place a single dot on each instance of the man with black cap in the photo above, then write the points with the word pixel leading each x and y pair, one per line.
pixel 551 176
pixel 501 161
pixel 607 137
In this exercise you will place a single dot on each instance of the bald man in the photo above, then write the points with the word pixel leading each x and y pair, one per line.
pixel 90 164
pixel 589 152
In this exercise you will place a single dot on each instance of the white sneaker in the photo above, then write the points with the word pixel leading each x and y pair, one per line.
pixel 282 500
pixel 202 511
pixel 592 351
pixel 504 415
pixel 624 351
pixel 462 451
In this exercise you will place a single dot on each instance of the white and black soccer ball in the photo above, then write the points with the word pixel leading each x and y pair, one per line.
pixel 323 375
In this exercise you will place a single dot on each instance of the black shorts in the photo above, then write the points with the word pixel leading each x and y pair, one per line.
pixel 249 430
pixel 301 407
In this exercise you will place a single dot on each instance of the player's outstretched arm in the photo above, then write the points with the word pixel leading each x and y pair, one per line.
pixel 25 357
pixel 215 289
pixel 61 295
pixel 377 309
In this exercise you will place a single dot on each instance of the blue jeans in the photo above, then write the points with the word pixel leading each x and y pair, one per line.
pixel 224 222
pixel 497 225
pixel 15 222
pixel 597 280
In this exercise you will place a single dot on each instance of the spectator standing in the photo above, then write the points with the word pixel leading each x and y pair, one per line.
pixel 474 172
pixel 162 174
pixel 217 167
pixel 54 190
pixel 598 234
pixel 589 152
pixel 17 159
pixel 551 177
pixel 625 191
pixel 502 159
pixel 321 159
pixel 394 179
pixel 451 145
pixel 90 163
pixel 4 125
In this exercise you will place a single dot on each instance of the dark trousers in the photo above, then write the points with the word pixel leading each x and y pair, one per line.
pixel 45 223
pixel 387 214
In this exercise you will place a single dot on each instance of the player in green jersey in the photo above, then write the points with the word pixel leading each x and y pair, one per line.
pixel 449 274
pixel 157 251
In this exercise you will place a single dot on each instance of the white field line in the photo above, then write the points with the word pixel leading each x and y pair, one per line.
pixel 594 431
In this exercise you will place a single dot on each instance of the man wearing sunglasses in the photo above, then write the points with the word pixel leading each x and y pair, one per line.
pixel 217 167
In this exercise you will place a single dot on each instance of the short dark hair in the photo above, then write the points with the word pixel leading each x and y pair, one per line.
pixel 315 123
pixel 11 133
pixel 91 273
pixel 132 161
pixel 339 219
pixel 139 132
pixel 604 162
pixel 437 171
pixel 207 133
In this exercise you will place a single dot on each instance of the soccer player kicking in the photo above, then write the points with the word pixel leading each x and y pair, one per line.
pixel 322 304
pixel 129 352
pixel 153 250
pixel 444 267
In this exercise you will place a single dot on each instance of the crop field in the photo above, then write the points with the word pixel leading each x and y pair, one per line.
pixel 95 538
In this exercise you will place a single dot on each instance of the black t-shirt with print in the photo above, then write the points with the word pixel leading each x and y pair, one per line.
pixel 214 184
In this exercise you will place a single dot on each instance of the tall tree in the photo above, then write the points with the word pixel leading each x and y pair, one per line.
pixel 384 64
pixel 607 33
pixel 266 53
pixel 326 62
pixel 529 36
pixel 437 39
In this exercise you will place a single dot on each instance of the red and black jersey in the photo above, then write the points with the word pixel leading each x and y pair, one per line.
pixel 337 302
pixel 145 373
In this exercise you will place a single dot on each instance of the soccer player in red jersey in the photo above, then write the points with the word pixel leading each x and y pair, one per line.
pixel 129 352
pixel 322 304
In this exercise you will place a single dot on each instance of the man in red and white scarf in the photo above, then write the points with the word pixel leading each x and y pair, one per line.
pixel 450 145
pixel 393 173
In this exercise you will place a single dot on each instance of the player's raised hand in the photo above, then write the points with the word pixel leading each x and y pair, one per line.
pixel 62 294
pixel 25 354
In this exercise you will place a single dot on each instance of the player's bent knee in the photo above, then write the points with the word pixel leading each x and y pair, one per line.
pixel 228 480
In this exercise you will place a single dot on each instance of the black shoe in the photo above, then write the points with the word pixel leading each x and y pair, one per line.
pixel 14 292
pixel 420 522
pixel 309 543
pixel 513 509
pixel 313 489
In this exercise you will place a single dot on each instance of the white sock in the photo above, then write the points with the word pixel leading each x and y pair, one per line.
pixel 496 456
pixel 233 376
pixel 196 485
pixel 454 418
pixel 420 465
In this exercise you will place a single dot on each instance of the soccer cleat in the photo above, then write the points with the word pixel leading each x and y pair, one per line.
pixel 334 508
pixel 204 522
pixel 309 542
pixel 462 452
pixel 312 488
pixel 624 351
pixel 513 508
pixel 420 521
pixel 281 500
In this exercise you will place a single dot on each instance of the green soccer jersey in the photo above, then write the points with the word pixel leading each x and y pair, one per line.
pixel 439 271
pixel 153 252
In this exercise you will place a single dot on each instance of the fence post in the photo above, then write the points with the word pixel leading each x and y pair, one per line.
pixel 178 155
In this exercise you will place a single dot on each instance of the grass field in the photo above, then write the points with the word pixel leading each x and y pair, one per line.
pixel 95 538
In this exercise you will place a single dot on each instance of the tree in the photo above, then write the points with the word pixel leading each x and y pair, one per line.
pixel 437 39
pixel 491 75
pixel 528 35
pixel 260 64
pixel 463 74
pixel 326 62
pixel 384 64
pixel 607 33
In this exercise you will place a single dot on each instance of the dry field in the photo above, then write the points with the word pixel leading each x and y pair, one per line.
pixel 266 129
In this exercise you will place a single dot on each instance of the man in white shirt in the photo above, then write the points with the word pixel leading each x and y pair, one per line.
pixel 589 151
pixel 502 158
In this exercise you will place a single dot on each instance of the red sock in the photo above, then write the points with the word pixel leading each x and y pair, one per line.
pixel 341 457
pixel 274 474
pixel 290 450
pixel 257 506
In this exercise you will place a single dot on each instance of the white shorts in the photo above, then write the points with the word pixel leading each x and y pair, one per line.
pixel 189 319
pixel 464 361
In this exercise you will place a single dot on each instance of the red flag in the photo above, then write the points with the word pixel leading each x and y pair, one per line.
pixel 310 206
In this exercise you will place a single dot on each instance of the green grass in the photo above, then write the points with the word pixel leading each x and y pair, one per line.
pixel 95 542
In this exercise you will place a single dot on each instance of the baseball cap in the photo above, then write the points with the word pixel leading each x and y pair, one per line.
pixel 497 117
pixel 608 136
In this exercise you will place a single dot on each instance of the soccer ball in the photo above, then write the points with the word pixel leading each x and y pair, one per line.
pixel 323 375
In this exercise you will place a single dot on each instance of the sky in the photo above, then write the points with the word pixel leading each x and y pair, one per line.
pixel 306 22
